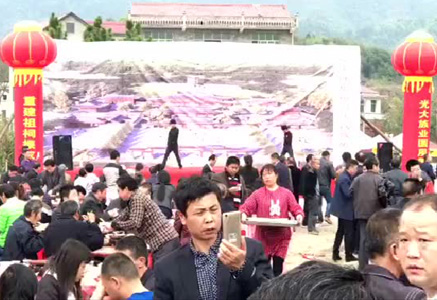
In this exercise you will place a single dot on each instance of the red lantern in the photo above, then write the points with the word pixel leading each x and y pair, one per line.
pixel 28 50
pixel 416 59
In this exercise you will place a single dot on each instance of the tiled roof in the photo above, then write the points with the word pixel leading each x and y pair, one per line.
pixel 210 10
pixel 117 27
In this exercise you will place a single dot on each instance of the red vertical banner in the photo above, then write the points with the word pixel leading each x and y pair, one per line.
pixel 29 127
pixel 417 122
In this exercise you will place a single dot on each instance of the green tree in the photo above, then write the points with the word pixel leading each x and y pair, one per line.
pixel 55 28
pixel 133 31
pixel 97 33
pixel 393 116
pixel 4 79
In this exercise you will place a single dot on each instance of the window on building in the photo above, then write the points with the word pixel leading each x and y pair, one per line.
pixel 4 114
pixel 70 28
pixel 159 35
pixel 265 38
pixel 362 105
pixel 373 104
pixel 212 36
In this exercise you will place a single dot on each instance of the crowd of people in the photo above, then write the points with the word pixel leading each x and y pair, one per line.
pixel 174 247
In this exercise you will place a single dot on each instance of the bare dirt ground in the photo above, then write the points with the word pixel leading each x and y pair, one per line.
pixel 306 247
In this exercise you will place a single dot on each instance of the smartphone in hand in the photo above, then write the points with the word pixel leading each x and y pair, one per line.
pixel 232 228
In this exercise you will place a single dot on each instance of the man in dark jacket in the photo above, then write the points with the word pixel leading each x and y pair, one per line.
pixel 209 267
pixel 397 177
pixel 366 198
pixel 23 241
pixel 111 173
pixel 95 202
pixel 172 144
pixel 284 173
pixel 287 146
pixel 310 191
pixel 325 175
pixel 427 167
pixel 53 177
pixel 411 188
pixel 207 170
pixel 342 207
pixel 236 186
pixel 68 226
pixel 382 275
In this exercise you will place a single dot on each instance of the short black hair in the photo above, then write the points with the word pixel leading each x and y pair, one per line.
pixel 172 122
pixel 69 208
pixel 49 163
pixel 139 167
pixel 211 157
pixel 80 189
pixel 360 157
pixel 192 189
pixel 64 191
pixel 425 157
pixel 275 156
pixel 309 157
pixel 382 229
pixel 18 282
pixel 82 172
pixel 32 206
pixel 36 166
pixel 119 265
pixel 315 280
pixel 346 157
pixel 284 127
pixel 248 160
pixel 411 163
pixel 370 162
pixel 268 167
pixel 127 182
pixel 89 167
pixel 325 153
pixel 396 162
pixel 98 186
pixel 411 187
pixel 8 190
pixel 351 163
pixel 114 154
pixel 135 245
pixel 232 160
pixel 155 169
pixel 37 191
pixel 13 168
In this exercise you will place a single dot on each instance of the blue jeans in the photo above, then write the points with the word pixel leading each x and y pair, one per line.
pixel 325 192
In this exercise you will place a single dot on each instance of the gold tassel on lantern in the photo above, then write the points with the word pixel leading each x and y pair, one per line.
pixel 23 77
pixel 414 84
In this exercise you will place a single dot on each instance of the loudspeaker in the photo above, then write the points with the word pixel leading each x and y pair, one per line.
pixel 63 150
pixel 385 155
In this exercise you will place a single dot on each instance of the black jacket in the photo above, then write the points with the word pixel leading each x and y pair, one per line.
pixel 385 286
pixel 397 177
pixel 49 289
pixel 68 228
pixel 284 176
pixel 93 205
pixel 250 176
pixel 22 242
pixel 148 280
pixel 176 276
pixel 207 171
pixel 308 182
pixel 173 137
pixel 427 167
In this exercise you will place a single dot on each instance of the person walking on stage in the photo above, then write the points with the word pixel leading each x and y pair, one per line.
pixel 172 145
pixel 288 140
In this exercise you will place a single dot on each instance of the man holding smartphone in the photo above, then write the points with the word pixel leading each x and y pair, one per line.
pixel 208 266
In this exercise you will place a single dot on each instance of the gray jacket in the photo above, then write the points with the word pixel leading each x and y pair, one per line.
pixel 326 173
pixel 397 176
pixel 168 197
pixel 365 191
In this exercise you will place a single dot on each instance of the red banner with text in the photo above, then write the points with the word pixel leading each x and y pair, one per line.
pixel 417 123
pixel 29 127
